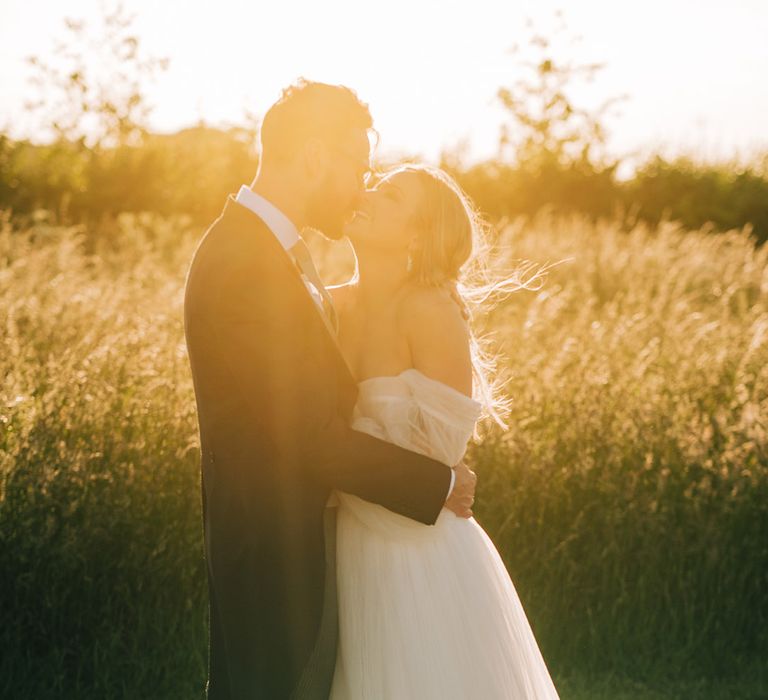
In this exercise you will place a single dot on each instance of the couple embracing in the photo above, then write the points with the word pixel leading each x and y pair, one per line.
pixel 343 559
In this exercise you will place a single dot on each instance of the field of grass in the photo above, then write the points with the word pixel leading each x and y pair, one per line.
pixel 629 497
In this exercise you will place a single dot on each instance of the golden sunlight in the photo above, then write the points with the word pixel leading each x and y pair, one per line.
pixel 430 70
pixel 481 414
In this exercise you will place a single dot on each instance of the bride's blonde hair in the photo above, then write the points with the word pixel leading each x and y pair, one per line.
pixel 452 250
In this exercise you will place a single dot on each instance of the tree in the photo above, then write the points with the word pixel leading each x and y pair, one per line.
pixel 546 127
pixel 92 91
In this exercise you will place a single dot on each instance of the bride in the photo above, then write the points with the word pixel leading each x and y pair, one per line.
pixel 424 611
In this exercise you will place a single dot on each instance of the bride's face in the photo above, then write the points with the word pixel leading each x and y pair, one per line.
pixel 385 219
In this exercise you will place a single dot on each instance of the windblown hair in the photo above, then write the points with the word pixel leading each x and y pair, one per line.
pixel 453 251
pixel 309 109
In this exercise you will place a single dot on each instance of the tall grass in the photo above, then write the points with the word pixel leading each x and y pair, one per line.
pixel 629 498
pixel 101 557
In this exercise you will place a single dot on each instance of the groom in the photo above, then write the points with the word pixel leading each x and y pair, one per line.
pixel 274 397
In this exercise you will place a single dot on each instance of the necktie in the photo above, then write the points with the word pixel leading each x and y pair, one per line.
pixel 304 262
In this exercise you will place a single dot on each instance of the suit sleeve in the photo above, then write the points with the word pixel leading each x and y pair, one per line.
pixel 283 373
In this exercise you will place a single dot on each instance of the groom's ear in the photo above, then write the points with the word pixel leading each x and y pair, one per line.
pixel 316 158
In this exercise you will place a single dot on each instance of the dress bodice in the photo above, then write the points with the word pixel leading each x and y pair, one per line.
pixel 418 413
pixel 426 611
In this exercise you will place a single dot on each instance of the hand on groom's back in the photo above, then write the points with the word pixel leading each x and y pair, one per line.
pixel 463 495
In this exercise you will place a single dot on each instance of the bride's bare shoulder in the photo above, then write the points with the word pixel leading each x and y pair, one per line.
pixel 420 301
pixel 438 336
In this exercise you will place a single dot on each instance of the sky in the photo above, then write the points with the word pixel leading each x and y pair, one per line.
pixel 694 71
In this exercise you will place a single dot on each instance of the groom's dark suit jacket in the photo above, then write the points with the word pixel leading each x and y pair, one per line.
pixel 274 397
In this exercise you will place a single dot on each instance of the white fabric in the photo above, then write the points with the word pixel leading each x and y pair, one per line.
pixel 281 226
pixel 306 265
pixel 284 229
pixel 426 612
pixel 453 481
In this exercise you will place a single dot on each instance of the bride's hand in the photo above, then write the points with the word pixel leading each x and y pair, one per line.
pixel 463 495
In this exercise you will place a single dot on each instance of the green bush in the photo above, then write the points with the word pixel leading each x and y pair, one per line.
pixel 693 193
pixel 187 173
pixel 190 172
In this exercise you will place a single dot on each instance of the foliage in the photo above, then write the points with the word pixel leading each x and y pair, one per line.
pixel 545 126
pixel 551 151
pixel 628 499
pixel 726 195
pixel 505 190
pixel 696 194
pixel 100 531
pixel 188 173
pixel 92 91
pixel 192 171
pixel 636 470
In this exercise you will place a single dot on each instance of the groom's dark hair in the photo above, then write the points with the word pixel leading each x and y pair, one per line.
pixel 309 109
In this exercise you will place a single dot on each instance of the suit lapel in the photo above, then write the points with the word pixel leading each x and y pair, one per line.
pixel 240 216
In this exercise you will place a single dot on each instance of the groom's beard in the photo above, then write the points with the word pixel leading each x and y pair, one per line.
pixel 324 212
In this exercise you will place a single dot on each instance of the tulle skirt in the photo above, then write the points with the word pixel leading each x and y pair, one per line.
pixel 428 612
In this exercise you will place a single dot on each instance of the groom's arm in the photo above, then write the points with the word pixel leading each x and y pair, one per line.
pixel 284 375
pixel 381 472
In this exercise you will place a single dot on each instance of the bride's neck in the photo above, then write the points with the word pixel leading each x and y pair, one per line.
pixel 381 276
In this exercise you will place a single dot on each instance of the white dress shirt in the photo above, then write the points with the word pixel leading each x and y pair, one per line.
pixel 288 235
pixel 281 226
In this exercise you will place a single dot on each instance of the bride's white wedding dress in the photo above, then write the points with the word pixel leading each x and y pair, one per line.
pixel 426 612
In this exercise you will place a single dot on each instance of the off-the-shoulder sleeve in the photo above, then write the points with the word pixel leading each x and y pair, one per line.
pixel 420 414
pixel 442 418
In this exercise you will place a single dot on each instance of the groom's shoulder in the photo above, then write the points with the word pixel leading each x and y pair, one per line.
pixel 239 226
pixel 233 240
pixel 231 263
